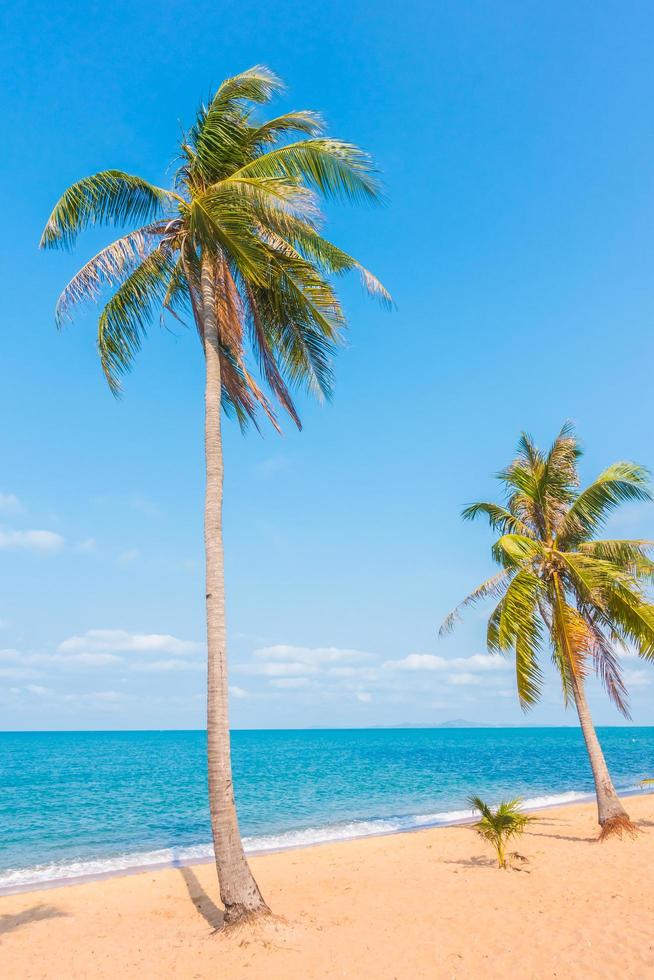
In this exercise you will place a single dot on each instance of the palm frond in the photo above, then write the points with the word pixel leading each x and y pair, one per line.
pixel 519 627
pixel 620 483
pixel 607 664
pixel 499 518
pixel 108 197
pixel 124 320
pixel 630 556
pixel 494 586
pixel 301 121
pixel 108 268
pixel 333 167
pixel 221 135
pixel 515 550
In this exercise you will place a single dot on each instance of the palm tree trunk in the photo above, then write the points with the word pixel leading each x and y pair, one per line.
pixel 238 889
pixel 611 815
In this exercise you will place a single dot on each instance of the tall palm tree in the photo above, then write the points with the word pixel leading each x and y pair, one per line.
pixel 558 581
pixel 235 244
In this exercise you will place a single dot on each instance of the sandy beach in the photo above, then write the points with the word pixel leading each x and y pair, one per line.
pixel 425 904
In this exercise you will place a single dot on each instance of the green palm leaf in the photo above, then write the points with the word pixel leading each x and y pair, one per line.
pixel 333 167
pixel 124 319
pixel 108 197
pixel 620 483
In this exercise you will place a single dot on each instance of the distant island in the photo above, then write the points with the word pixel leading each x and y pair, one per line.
pixel 453 723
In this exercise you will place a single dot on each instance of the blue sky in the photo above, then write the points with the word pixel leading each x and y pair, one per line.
pixel 516 145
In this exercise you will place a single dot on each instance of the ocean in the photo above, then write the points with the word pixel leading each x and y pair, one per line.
pixel 83 803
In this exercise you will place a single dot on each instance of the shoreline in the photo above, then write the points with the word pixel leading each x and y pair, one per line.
pixel 408 906
pixel 48 884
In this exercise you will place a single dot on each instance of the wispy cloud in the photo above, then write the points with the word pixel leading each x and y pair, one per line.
pixel 290 683
pixel 10 504
pixel 128 556
pixel 463 680
pixel 86 546
pixel 18 673
pixel 278 669
pixel 269 467
pixel 165 666
pixel 114 640
pixel 143 505
pixel 70 660
pixel 637 678
pixel 46 542
pixel 427 661
pixel 311 655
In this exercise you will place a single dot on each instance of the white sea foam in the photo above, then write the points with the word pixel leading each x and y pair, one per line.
pixel 21 879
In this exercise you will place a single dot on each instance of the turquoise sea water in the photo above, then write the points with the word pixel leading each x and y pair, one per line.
pixel 76 803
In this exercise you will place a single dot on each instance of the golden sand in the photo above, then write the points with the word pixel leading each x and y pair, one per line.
pixel 426 904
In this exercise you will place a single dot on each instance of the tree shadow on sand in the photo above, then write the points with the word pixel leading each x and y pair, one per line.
pixel 210 912
pixel 11 921
pixel 575 840
pixel 544 822
pixel 479 861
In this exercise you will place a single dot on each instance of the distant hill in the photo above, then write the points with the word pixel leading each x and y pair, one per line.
pixel 453 723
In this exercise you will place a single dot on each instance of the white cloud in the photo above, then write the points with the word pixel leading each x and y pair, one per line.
pixel 238 692
pixel 124 641
pixel 361 672
pixel 9 654
pixel 417 661
pixel 311 655
pixel 60 659
pixel 128 556
pixel 43 541
pixel 87 659
pixel 463 679
pixel 108 697
pixel 427 661
pixel 165 666
pixel 637 678
pixel 86 546
pixel 291 683
pixel 37 689
pixel 19 673
pixel 10 504
pixel 364 697
pixel 277 669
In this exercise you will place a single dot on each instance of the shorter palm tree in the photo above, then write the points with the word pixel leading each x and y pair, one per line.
pixel 498 826
pixel 558 581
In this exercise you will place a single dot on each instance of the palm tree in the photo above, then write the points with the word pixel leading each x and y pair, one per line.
pixel 235 245
pixel 499 825
pixel 557 580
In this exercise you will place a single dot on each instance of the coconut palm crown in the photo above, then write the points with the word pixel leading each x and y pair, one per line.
pixel 560 584
pixel 244 200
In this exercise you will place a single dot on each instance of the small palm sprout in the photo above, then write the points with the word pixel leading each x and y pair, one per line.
pixel 498 826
